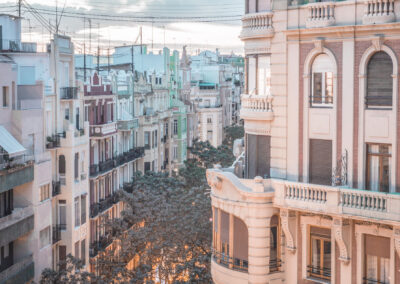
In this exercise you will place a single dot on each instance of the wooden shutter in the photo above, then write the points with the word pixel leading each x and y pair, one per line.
pixel 258 155
pixel 320 161
pixel 379 80
pixel 378 246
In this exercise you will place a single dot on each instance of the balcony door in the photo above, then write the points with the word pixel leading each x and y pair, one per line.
pixel 258 155
pixel 320 164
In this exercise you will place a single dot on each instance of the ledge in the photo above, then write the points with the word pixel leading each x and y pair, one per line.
pixel 16 176
pixel 15 225
pixel 21 272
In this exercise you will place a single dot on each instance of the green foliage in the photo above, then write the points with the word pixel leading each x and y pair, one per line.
pixel 208 156
pixel 232 133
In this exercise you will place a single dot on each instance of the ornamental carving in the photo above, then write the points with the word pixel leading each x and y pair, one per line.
pixel 338 225
pixel 214 181
pixel 285 216
pixel 378 43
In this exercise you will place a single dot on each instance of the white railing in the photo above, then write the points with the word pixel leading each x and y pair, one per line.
pixel 379 11
pixel 299 192
pixel 257 25
pixel 364 200
pixel 321 14
pixel 257 102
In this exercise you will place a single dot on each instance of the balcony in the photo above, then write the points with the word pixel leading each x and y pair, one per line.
pixel 257 25
pixel 106 166
pixel 54 141
pixel 223 274
pixel 103 130
pixel 56 234
pixel 103 205
pixel 100 245
pixel 128 125
pixel 56 188
pixel 379 12
pixel 17 224
pixel 15 172
pixel 256 107
pixel 21 272
pixel 69 93
pixel 320 14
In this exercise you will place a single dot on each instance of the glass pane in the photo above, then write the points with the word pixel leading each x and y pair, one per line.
pixel 384 277
pixel 328 87
pixel 273 243
pixel 316 255
pixel 317 88
pixel 372 267
pixel 327 259
pixel 385 178
pixel 252 75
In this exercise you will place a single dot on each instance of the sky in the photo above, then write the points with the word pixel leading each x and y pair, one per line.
pixel 199 24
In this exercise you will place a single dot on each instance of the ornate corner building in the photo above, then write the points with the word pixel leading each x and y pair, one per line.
pixel 316 197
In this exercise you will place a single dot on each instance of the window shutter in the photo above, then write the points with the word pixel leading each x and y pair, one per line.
pixel 320 161
pixel 379 80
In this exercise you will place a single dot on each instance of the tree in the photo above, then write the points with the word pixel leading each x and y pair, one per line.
pixel 165 230
pixel 231 134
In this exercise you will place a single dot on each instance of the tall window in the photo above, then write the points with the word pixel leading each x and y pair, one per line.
pixel 378 167
pixel 5 97
pixel 44 237
pixel 274 239
pixel 83 209
pixel 77 249
pixel 62 214
pixel 155 138
pixel 320 165
pixel 83 251
pixel 320 253
pixel 258 75
pixel 147 140
pixel 377 260
pixel 6 203
pixel 44 192
pixel 77 215
pixel 258 155
pixel 175 127
pixel 76 164
pixel 379 81
pixel 322 81
pixel 61 165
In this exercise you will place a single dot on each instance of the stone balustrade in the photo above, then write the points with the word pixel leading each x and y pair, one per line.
pixel 320 14
pixel 379 12
pixel 256 107
pixel 257 25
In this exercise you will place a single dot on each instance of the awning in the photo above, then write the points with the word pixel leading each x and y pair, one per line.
pixel 10 144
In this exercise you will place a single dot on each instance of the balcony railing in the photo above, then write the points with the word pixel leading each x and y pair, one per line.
pixel 373 281
pixel 379 12
pixel 319 272
pixel 56 188
pixel 230 262
pixel 257 25
pixel 69 93
pixel 56 234
pixel 102 130
pixel 106 166
pixel 22 271
pixel 275 265
pixel 100 245
pixel 257 107
pixel 94 170
pixel 54 141
pixel 320 14
pixel 103 205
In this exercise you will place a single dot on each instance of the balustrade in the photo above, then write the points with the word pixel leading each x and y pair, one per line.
pixel 321 14
pixel 257 25
pixel 379 11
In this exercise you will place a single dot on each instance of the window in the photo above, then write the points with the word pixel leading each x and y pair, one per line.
pixel 66 116
pixel 320 253
pixel 62 256
pixel 379 81
pixel 175 153
pixel 44 237
pixel 258 155
pixel 320 164
pixel 155 138
pixel 147 140
pixel 6 202
pixel 83 209
pixel 378 167
pixel 77 215
pixel 77 249
pixel 62 214
pixel 209 120
pixel 5 96
pixel 61 165
pixel 86 113
pixel 152 140
pixel 76 166
pixel 263 75
pixel 210 136
pixel 274 260
pixel 83 251
pixel 44 192
pixel 147 167
pixel 322 81
pixel 175 127
pixel 377 259
pixel 166 129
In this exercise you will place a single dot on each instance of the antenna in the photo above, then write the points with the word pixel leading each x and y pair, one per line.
pixel 98 48
pixel 90 35
pixel 84 50
pixel 56 17
pixel 19 8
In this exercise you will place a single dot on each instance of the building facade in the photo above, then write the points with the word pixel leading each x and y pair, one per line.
pixel 317 201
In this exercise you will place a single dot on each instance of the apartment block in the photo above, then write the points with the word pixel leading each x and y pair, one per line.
pixel 316 198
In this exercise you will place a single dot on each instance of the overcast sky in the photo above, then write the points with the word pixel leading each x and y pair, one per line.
pixel 197 23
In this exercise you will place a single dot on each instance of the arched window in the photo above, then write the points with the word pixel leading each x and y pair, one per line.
pixel 322 81
pixel 61 165
pixel 274 254
pixel 379 81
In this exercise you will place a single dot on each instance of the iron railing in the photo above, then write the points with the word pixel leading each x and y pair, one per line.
pixel 54 141
pixel 69 93
pixel 56 234
pixel 275 265
pixel 319 272
pixel 56 188
pixel 103 205
pixel 373 281
pixel 231 262
pixel 100 245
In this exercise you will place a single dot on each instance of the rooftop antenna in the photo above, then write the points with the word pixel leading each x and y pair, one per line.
pixel 19 8
pixel 98 48
pixel 84 50
pixel 90 35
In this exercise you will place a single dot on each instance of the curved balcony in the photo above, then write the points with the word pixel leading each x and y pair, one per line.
pixel 257 25
pixel 256 107
pixel 222 274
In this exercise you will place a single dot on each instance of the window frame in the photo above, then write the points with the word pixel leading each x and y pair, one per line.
pixel 369 155
pixel 310 266
pixel 316 68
